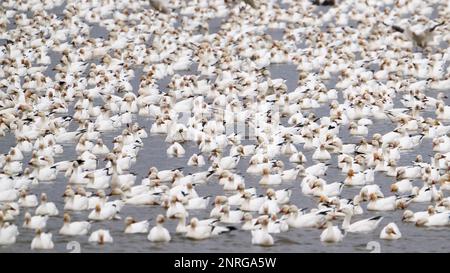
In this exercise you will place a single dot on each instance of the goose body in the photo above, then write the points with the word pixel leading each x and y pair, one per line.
pixel 8 234
pixel 361 226
pixel 101 236
pixel 331 234
pixel 42 240
pixel 158 233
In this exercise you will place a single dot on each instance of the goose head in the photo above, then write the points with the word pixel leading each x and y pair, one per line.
pixel 27 218
pixel 160 219
pixel 193 223
pixel 129 220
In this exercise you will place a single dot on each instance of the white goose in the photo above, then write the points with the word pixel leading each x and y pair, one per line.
pixel 313 219
pixel 435 220
pixel 132 227
pixel 74 228
pixel 8 233
pixel 381 204
pixel 35 222
pixel 361 226
pixel 159 233
pixel 195 231
pixel 261 236
pixel 105 212
pixel 321 154
pixel 45 207
pixel 101 237
pixel 27 201
pixel 390 232
pixel 270 179
pixel 42 240
pixel 331 234
pixel 230 216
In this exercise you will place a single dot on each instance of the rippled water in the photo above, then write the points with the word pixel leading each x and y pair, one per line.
pixel 295 240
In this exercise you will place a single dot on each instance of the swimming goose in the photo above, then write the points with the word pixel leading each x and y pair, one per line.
pixel 298 158
pixel 292 174
pixel 321 154
pixel 381 204
pixel 76 200
pixel 182 227
pixel 42 240
pixel 421 195
pixel 282 196
pixel 229 162
pixel 261 236
pixel 230 216
pixel 35 222
pixel 131 226
pixel 197 203
pixel 196 160
pixel 355 179
pixel 8 233
pixel 270 204
pixel 9 211
pixel 106 212
pixel 317 170
pixel 196 231
pixel 368 190
pixel 100 148
pixel 249 222
pixel 298 219
pixel 390 232
pixel 176 150
pixel 402 186
pixel 270 179
pixel 331 234
pixel 9 195
pixel 361 226
pixel 250 203
pixel 74 228
pixel 238 198
pixel 414 217
pixel 27 201
pixel 219 202
pixel 45 207
pixel 101 236
pixel 145 198
pixel 319 187
pixel 435 220
pixel 158 233
pixel 176 209
pixel 276 224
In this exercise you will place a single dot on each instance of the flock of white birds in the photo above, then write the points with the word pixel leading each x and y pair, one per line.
pixel 375 52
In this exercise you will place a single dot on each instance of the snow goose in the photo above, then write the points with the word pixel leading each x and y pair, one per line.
pixel 331 234
pixel 8 233
pixel 132 227
pixel 42 240
pixel 261 236
pixel 101 236
pixel 390 232
pixel 361 226
pixel 159 233
pixel 35 222
pixel 74 228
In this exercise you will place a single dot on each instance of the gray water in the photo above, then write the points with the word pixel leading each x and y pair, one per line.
pixel 295 240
